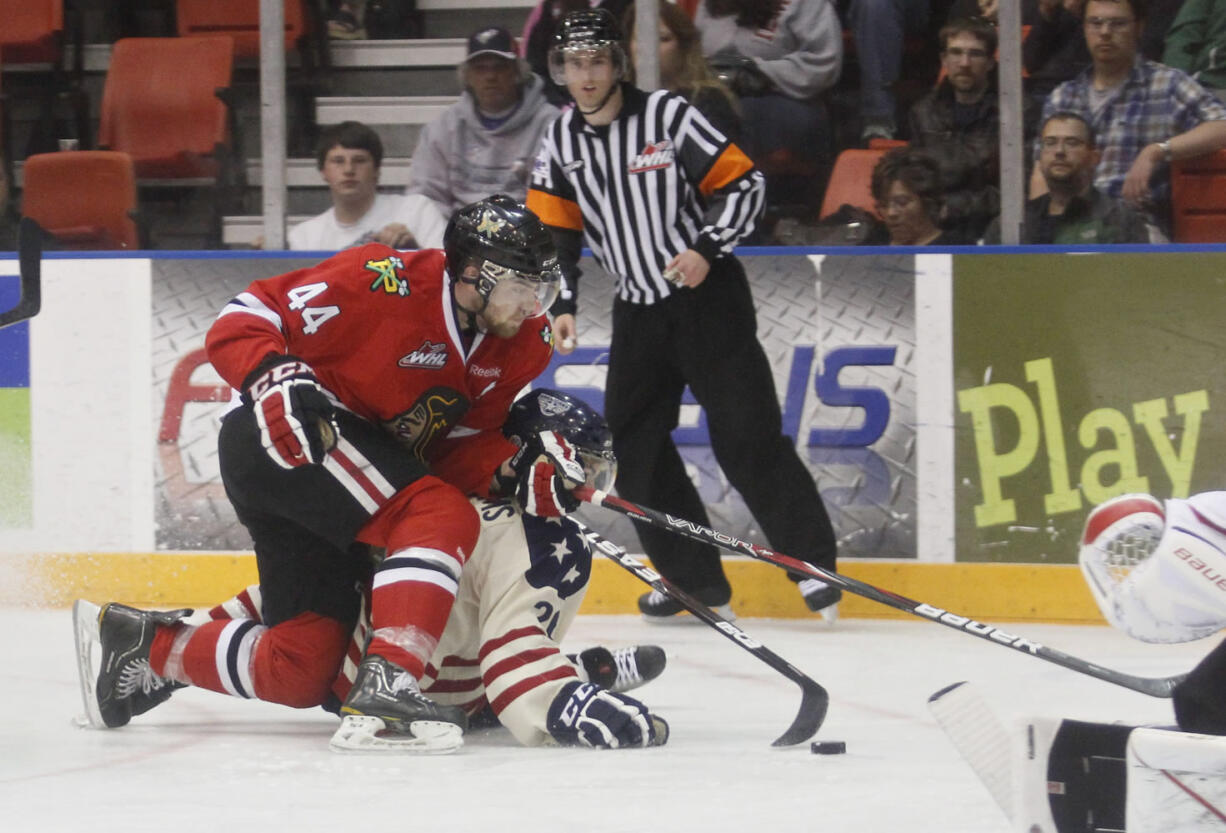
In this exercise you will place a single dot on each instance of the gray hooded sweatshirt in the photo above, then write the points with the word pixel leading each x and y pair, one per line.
pixel 801 52
pixel 459 161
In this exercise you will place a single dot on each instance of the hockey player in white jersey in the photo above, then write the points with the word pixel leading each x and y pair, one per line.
pixel 1158 573
pixel 499 654
pixel 1157 570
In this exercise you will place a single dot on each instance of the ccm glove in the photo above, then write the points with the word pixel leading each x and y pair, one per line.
pixel 584 714
pixel 544 471
pixel 296 418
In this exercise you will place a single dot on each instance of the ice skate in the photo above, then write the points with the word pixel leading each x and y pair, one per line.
pixel 662 609
pixel 624 669
pixel 822 598
pixel 386 712
pixel 125 685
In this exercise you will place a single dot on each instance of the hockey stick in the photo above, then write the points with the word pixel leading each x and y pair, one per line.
pixel 1153 686
pixel 29 260
pixel 814 700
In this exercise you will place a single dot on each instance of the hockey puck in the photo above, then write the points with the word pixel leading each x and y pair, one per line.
pixel 828 747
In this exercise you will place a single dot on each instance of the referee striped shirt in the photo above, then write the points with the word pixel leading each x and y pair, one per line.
pixel 656 181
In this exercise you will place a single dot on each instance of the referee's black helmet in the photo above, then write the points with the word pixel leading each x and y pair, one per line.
pixel 584 31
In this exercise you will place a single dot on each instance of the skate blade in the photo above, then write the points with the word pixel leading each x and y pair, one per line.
pixel 364 734
pixel 85 632
pixel 830 613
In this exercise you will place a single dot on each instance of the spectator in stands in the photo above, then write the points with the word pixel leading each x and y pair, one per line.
pixel 484 143
pixel 1073 211
pixel 539 31
pixel 684 70
pixel 1055 50
pixel 879 28
pixel 1196 43
pixel 349 155
pixel 907 189
pixel 1144 114
pixel 778 56
pixel 345 20
pixel 958 124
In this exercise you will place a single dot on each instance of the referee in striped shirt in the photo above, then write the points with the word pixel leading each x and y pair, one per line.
pixel 662 198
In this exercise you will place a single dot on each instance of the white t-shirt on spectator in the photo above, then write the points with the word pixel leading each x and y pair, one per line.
pixel 420 214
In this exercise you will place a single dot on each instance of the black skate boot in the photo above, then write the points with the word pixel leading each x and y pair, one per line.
pixel 660 608
pixel 386 712
pixel 623 669
pixel 126 685
pixel 821 597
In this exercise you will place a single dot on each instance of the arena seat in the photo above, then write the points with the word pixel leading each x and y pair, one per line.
pixel 240 19
pixel 166 104
pixel 304 37
pixel 84 199
pixel 851 181
pixel 35 38
pixel 1198 199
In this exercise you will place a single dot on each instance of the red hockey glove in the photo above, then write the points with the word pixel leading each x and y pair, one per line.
pixel 544 471
pixel 296 418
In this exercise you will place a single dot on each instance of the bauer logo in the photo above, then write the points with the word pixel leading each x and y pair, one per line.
pixel 978 628
pixel 429 356
pixel 653 157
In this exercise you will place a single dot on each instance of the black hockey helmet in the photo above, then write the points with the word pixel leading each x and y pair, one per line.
pixel 586 31
pixel 545 409
pixel 503 239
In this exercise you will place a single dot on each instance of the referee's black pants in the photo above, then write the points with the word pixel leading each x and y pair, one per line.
pixel 707 338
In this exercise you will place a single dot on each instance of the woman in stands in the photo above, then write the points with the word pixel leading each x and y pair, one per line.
pixel 907 188
pixel 685 71
pixel 779 57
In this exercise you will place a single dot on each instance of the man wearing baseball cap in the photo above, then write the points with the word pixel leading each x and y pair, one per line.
pixel 486 142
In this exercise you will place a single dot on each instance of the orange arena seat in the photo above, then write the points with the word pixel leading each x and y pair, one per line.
pixel 84 199
pixel 851 181
pixel 1198 199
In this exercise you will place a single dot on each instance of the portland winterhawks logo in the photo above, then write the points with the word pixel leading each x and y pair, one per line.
pixel 387 276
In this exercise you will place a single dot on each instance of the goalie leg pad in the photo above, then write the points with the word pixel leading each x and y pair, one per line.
pixel 1176 782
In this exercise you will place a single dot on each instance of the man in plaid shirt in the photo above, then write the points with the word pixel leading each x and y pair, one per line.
pixel 1145 114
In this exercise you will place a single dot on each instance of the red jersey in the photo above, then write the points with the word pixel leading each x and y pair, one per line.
pixel 380 331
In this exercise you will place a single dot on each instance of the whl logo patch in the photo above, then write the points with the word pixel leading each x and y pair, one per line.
pixel 655 156
pixel 429 356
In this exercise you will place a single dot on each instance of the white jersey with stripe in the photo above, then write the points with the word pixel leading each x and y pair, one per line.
pixel 518 595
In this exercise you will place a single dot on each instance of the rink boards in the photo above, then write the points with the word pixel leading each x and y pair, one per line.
pixel 959 412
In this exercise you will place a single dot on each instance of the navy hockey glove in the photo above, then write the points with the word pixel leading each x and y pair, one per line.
pixel 296 418
pixel 584 714
pixel 544 471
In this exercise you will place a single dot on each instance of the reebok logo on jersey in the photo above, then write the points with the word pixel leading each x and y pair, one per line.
pixel 429 356
pixel 484 372
pixel 655 156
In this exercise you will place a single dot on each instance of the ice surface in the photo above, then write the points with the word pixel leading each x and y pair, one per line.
pixel 204 760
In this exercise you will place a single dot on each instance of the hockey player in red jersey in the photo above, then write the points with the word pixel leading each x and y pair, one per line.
pixel 374 387
pixel 516 600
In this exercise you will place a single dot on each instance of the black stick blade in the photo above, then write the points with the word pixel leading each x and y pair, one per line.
pixel 813 705
pixel 29 259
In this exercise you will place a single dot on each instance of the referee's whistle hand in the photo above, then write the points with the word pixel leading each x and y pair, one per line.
pixel 565 334
pixel 692 266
